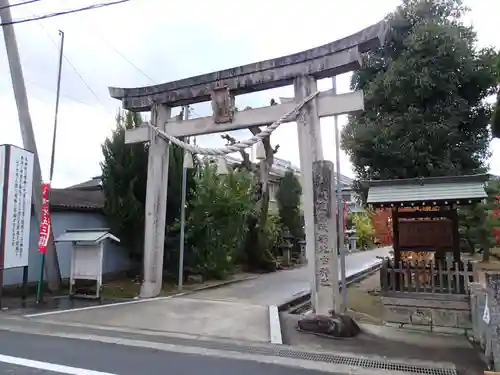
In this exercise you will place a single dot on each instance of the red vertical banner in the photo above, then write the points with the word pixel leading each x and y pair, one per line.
pixel 43 240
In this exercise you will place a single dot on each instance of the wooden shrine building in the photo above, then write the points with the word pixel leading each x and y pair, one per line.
pixel 427 281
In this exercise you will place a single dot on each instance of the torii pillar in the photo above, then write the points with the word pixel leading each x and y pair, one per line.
pixel 319 204
pixel 156 206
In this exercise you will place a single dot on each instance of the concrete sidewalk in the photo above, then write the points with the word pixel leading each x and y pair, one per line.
pixel 280 287
pixel 175 315
pixel 237 311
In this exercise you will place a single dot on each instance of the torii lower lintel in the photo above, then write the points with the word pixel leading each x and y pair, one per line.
pixel 328 104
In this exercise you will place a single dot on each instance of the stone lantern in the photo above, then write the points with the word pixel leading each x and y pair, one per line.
pixel 286 247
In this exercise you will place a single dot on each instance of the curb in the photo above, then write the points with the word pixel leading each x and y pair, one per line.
pixel 136 300
pixel 275 325
pixel 215 286
pixel 303 297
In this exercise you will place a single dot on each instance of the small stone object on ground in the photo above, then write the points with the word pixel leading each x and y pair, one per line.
pixel 195 279
pixel 335 325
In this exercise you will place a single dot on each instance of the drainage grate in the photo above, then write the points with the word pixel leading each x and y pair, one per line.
pixel 354 361
pixel 367 363
pixel 334 359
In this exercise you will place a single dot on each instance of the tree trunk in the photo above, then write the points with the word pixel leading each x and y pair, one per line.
pixel 264 199
pixel 257 247
pixel 486 248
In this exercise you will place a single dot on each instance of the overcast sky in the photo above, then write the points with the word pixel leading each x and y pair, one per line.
pixel 152 41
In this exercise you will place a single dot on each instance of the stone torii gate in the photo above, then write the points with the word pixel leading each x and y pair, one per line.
pixel 302 70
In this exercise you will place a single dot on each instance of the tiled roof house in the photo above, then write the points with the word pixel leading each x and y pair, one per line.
pixel 86 196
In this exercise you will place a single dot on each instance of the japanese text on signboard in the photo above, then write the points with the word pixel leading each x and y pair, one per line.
pixel 19 208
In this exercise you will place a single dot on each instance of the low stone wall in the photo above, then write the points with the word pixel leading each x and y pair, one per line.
pixel 427 309
pixel 486 332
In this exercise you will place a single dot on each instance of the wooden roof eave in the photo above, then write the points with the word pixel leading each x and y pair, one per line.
pixel 436 203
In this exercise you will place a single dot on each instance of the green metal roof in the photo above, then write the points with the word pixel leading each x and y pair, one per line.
pixel 93 235
pixel 459 189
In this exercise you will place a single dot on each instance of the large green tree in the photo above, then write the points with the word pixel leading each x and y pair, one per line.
pixel 480 221
pixel 365 232
pixel 124 177
pixel 495 123
pixel 216 224
pixel 288 197
pixel 424 89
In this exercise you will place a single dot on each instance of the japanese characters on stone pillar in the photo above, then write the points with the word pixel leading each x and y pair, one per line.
pixel 325 234
pixel 16 177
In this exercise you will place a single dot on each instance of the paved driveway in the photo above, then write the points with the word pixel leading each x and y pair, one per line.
pixel 237 311
pixel 276 288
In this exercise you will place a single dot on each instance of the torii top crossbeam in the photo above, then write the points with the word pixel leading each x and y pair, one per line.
pixel 329 60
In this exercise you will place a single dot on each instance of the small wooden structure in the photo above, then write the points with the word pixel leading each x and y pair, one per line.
pixel 427 281
pixel 86 259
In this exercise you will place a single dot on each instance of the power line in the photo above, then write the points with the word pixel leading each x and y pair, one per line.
pixel 74 69
pixel 18 4
pixel 36 18
pixel 62 95
pixel 62 13
pixel 84 82
pixel 123 56
pixel 106 42
pixel 194 112
pixel 66 96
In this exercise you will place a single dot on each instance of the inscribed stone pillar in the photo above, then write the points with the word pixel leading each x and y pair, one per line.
pixel 477 303
pixel 493 331
pixel 310 150
pixel 325 237
pixel 156 206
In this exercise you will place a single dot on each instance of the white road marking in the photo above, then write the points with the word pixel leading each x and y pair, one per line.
pixel 135 301
pixel 49 366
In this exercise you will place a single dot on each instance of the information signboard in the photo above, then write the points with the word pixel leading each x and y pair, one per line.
pixel 16 177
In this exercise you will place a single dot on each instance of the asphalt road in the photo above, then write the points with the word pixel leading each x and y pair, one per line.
pixel 280 287
pixel 27 354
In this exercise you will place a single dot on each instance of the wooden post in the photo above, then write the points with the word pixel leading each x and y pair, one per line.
pixel 395 235
pixel 456 235
pixel 395 244
pixel 156 206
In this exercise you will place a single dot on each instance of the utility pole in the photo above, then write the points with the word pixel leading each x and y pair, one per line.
pixel 340 212
pixel 28 136
pixel 58 95
pixel 39 289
